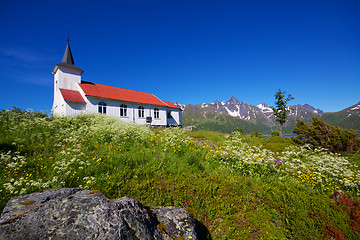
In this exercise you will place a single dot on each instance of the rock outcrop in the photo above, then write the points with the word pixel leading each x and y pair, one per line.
pixel 72 213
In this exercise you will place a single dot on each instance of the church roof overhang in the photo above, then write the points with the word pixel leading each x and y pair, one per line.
pixel 171 105
pixel 72 96
pixel 67 66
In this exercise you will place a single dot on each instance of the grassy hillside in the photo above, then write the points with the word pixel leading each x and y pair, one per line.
pixel 341 119
pixel 348 118
pixel 238 187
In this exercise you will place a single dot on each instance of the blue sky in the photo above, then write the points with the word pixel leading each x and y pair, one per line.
pixel 189 51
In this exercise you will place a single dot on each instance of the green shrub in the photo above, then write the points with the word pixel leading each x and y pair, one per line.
pixel 239 131
pixel 321 134
pixel 256 134
pixel 275 134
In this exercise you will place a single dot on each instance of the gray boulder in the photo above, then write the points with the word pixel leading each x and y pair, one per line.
pixel 72 213
pixel 190 128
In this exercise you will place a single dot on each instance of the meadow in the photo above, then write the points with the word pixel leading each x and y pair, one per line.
pixel 235 185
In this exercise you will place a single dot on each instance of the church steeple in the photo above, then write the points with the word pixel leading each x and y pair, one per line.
pixel 68 61
pixel 68 58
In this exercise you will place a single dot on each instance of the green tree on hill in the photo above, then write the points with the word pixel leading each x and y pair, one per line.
pixel 281 110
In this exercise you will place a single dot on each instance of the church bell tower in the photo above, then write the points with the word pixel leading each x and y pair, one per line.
pixel 66 76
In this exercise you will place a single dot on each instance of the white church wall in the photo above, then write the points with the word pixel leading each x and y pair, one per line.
pixel 69 79
pixel 161 121
pixel 138 118
pixel 132 111
pixel 176 117
pixel 112 107
pixel 59 105
pixel 73 108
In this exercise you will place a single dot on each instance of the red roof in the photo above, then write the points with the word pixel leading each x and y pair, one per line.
pixel 108 92
pixel 170 104
pixel 71 95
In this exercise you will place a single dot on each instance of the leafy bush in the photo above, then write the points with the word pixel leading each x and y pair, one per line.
pixel 275 134
pixel 239 131
pixel 256 134
pixel 320 134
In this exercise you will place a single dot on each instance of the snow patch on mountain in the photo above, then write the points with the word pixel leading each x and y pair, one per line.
pixel 356 107
pixel 260 113
pixel 233 113
pixel 180 105
pixel 264 108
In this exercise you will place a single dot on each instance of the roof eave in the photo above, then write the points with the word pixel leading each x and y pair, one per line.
pixel 68 68
pixel 87 95
pixel 175 108
pixel 73 101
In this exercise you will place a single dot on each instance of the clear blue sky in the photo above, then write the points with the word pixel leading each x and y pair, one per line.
pixel 189 51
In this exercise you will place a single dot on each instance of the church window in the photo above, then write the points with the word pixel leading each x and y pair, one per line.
pixel 102 108
pixel 123 110
pixel 156 113
pixel 141 112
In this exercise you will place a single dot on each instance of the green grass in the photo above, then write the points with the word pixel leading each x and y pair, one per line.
pixel 215 137
pixel 237 186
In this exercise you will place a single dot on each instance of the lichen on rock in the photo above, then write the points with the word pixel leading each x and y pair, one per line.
pixel 72 213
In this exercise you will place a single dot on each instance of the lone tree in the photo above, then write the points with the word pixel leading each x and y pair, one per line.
pixel 281 110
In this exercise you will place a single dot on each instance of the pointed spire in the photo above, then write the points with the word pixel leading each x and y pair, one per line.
pixel 68 58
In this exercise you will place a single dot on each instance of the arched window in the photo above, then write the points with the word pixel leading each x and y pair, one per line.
pixel 102 108
pixel 156 113
pixel 141 112
pixel 123 110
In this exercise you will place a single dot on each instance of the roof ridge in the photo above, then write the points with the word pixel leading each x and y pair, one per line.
pixel 170 104
pixel 164 101
pixel 160 99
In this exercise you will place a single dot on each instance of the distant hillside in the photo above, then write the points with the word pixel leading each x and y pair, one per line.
pixel 347 118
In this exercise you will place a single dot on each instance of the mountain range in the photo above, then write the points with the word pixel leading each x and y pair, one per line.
pixel 226 116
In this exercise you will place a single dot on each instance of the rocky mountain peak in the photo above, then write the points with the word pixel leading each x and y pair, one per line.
pixel 233 100
pixel 180 105
pixel 255 114
pixel 233 111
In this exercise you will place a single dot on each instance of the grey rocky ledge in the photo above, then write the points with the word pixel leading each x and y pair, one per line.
pixel 72 213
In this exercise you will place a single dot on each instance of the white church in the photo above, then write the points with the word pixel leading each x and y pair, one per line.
pixel 73 96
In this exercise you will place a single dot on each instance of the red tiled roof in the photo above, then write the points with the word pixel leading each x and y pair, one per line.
pixel 109 92
pixel 170 104
pixel 71 95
